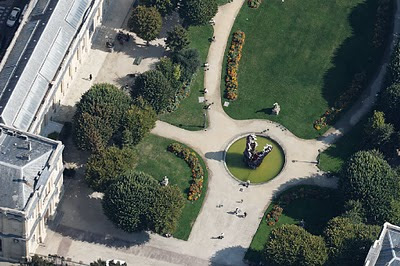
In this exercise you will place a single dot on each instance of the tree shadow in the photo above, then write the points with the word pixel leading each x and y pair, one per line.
pixel 355 54
pixel 267 111
pixel 216 155
pixel 228 256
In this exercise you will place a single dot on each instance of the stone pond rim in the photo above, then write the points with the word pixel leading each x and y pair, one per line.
pixel 270 168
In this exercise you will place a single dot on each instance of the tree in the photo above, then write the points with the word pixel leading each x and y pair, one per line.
pixel 189 60
pixel 155 89
pixel 177 39
pixel 98 262
pixel 348 243
pixel 171 71
pixel 136 201
pixel 367 177
pixel 377 131
pixel 146 22
pixel 98 116
pixel 165 7
pixel 104 168
pixel 137 122
pixel 389 103
pixel 394 65
pixel 198 12
pixel 292 245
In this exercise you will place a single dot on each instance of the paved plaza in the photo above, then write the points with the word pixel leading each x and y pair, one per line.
pixel 84 234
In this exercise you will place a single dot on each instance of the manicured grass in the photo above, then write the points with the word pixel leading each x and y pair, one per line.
pixel 303 55
pixel 155 160
pixel 269 168
pixel 332 159
pixel 190 112
pixel 315 213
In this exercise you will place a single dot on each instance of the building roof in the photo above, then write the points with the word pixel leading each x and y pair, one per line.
pixel 36 57
pixel 24 161
pixel 386 250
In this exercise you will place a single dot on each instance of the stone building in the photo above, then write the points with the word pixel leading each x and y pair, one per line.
pixel 31 181
pixel 46 52
pixel 37 69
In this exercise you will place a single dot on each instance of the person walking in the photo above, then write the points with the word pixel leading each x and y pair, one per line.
pixel 90 77
pixel 221 236
pixel 244 214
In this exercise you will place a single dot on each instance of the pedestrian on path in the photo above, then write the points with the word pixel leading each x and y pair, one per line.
pixel 205 90
pixel 213 38
pixel 221 236
pixel 206 64
pixel 244 214
pixel 240 201
pixel 90 77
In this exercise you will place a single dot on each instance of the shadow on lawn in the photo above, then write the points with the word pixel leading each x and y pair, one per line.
pixel 356 54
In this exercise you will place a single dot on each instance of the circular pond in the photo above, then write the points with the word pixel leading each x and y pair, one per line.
pixel 269 168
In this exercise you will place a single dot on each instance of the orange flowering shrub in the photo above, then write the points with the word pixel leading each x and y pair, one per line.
pixel 234 55
pixel 191 159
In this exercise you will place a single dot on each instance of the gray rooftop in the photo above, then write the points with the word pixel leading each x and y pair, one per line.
pixel 36 57
pixel 24 159
pixel 386 250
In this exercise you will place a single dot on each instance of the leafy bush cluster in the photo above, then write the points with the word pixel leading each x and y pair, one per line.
pixel 254 3
pixel 383 18
pixel 273 215
pixel 191 159
pixel 292 245
pixel 234 55
pixel 136 201
pixel 104 112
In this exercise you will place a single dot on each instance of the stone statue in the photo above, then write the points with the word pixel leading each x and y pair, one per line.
pixel 276 109
pixel 165 181
pixel 250 155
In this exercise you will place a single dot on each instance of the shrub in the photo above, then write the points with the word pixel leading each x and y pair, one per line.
pixel 254 3
pixel 198 12
pixel 153 87
pixel 189 59
pixel 389 103
pixel 292 245
pixel 234 55
pixel 139 119
pixel 146 22
pixel 136 201
pixel 191 159
pixel 367 177
pixel 394 65
pixel 104 168
pixel 177 39
pixel 377 132
pixel 348 243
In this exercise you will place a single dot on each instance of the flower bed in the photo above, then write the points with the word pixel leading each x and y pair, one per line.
pixel 357 84
pixel 272 217
pixel 197 171
pixel 234 55
pixel 254 3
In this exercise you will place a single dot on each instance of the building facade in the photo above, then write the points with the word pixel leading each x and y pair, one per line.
pixel 31 181
pixel 50 44
pixel 38 68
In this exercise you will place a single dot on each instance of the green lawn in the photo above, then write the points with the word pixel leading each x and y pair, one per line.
pixel 303 55
pixel 158 162
pixel 332 159
pixel 315 213
pixel 190 112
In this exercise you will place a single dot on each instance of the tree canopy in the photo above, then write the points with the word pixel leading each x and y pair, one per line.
pixel 198 12
pixel 165 7
pixel 139 119
pixel 367 177
pixel 389 103
pixel 177 39
pixel 394 65
pixel 378 132
pixel 154 87
pixel 189 59
pixel 349 242
pixel 103 168
pixel 136 201
pixel 292 245
pixel 146 22
pixel 98 116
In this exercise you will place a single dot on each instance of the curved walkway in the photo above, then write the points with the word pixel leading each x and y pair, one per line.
pixel 300 156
